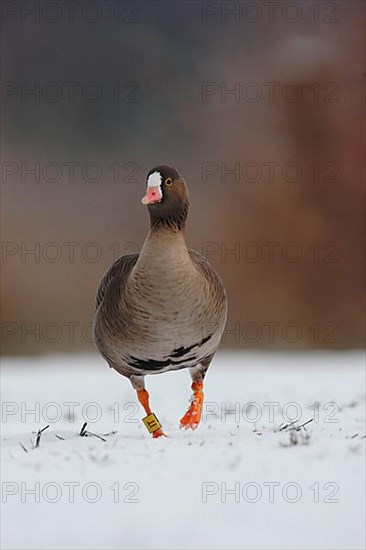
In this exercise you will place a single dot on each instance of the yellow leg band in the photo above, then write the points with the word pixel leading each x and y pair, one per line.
pixel 152 423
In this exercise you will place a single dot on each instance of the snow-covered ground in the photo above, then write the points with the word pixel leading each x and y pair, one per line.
pixel 238 481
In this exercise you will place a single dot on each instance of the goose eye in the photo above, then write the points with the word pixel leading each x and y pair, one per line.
pixel 168 182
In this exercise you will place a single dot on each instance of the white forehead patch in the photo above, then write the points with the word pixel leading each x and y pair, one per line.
pixel 154 180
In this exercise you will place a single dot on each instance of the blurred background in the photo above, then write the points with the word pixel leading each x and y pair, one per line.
pixel 261 109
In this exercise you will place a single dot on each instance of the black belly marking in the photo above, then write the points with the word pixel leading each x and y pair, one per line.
pixel 147 364
pixel 174 359
pixel 153 364
pixel 179 352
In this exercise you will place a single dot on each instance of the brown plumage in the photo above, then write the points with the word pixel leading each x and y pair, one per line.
pixel 165 308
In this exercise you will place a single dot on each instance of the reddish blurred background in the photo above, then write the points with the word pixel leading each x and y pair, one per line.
pixel 286 232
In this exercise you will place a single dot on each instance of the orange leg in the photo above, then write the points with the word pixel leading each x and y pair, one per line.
pixel 143 397
pixel 193 416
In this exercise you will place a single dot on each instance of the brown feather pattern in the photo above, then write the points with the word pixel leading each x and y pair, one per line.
pixel 165 308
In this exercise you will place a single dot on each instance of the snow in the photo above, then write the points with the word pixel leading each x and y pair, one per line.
pixel 170 492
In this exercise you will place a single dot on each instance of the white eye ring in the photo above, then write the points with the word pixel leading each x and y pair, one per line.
pixel 168 182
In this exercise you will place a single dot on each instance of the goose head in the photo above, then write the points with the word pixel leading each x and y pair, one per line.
pixel 166 198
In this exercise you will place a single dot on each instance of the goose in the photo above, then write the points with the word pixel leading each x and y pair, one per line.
pixel 165 308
